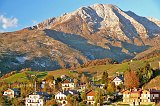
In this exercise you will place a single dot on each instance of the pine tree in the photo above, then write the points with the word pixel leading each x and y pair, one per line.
pixel 105 78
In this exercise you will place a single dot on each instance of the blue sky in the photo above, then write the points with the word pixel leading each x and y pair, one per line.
pixel 18 14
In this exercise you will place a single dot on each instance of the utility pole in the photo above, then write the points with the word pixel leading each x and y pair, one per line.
pixel 35 84
pixel 159 65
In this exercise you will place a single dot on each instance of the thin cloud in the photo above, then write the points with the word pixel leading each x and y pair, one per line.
pixel 8 22
pixel 34 22
pixel 2 31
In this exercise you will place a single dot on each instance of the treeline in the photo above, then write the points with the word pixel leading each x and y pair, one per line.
pixel 155 53
pixel 9 74
pixel 14 72
pixel 98 62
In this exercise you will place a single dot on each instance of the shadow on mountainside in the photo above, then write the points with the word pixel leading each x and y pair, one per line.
pixel 93 51
pixel 151 27
pixel 12 60
pixel 127 27
pixel 81 44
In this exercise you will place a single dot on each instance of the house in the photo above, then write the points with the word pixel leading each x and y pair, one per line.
pixel 34 100
pixel 98 86
pixel 135 97
pixel 68 84
pixel 118 80
pixel 37 99
pixel 11 93
pixel 61 97
pixel 132 97
pixel 153 95
pixel 45 95
pixel 90 97
pixel 126 96
pixel 83 86
pixel 139 96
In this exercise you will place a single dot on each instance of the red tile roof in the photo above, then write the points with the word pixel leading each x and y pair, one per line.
pixel 91 93
pixel 66 81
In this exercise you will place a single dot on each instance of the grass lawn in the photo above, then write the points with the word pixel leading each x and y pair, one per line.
pixel 111 68
pixel 21 77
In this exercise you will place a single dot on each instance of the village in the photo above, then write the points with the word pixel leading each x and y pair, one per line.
pixel 121 90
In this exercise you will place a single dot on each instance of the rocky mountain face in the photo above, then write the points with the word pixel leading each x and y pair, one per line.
pixel 94 32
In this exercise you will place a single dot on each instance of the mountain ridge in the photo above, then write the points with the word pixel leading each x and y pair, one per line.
pixel 94 32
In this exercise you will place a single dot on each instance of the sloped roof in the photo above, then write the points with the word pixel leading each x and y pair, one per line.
pixel 74 92
pixel 45 95
pixel 120 77
pixel 68 81
pixel 15 89
pixel 91 93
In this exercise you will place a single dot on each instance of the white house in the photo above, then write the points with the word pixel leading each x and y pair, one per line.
pixel 118 80
pixel 34 100
pixel 61 97
pixel 11 93
pixel 37 99
pixel 90 97
pixel 67 84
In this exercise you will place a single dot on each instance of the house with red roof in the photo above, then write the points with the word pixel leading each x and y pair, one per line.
pixel 90 97
pixel 68 84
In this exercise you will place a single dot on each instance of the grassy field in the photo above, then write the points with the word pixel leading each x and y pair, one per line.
pixel 111 68
pixel 21 77
pixel 154 83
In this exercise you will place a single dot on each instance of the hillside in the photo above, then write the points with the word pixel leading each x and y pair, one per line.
pixel 94 32
pixel 95 71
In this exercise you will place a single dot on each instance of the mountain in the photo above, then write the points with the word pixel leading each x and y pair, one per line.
pixel 94 32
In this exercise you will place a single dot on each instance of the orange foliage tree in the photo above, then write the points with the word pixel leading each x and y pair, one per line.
pixel 131 79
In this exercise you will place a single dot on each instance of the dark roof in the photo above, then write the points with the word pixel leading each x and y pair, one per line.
pixel 15 89
pixel 68 80
pixel 45 95
pixel 69 92
pixel 66 92
pixel 74 91
pixel 120 77
pixel 98 85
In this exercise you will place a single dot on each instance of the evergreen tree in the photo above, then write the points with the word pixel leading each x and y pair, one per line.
pixel 111 88
pixel 98 96
pixel 105 78
pixel 83 96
